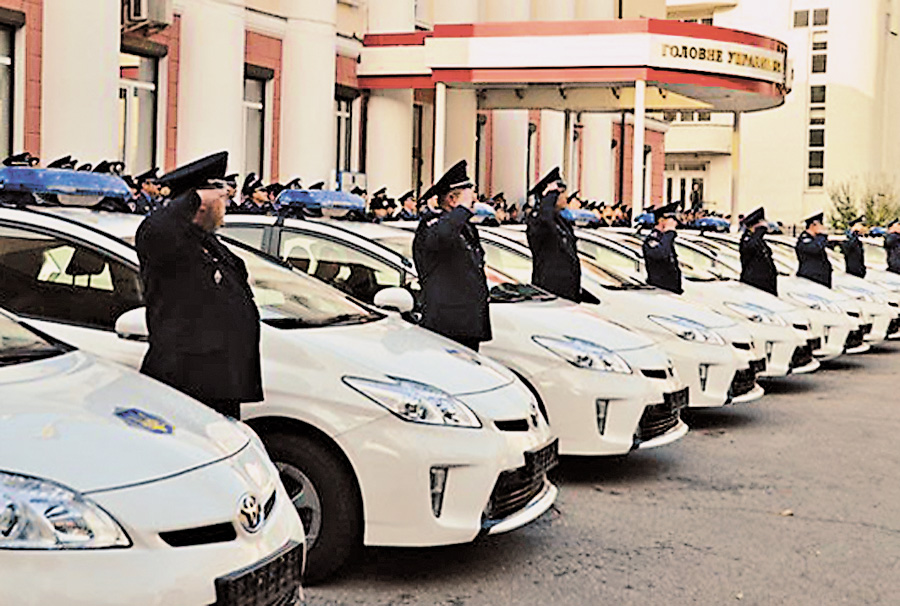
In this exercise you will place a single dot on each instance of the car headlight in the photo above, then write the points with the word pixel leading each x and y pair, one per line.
pixel 816 302
pixel 756 313
pixel 688 330
pixel 416 402
pixel 39 514
pixel 584 354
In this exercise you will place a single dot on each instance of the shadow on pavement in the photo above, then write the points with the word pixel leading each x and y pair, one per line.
pixel 847 363
pixel 633 468
pixel 728 417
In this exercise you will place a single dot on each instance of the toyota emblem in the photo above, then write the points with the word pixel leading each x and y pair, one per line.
pixel 250 513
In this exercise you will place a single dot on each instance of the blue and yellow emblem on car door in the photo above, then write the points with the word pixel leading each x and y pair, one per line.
pixel 144 420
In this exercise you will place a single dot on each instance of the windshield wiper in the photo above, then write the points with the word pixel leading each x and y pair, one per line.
pixel 8 358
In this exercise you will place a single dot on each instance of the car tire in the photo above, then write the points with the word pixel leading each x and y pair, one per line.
pixel 319 481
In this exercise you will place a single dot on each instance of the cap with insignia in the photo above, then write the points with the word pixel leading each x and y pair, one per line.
pixel 249 182
pixel 455 178
pixel 198 174
pixel 754 217
pixel 66 162
pixel 573 195
pixel 552 177
pixel 23 159
pixel 318 186
pixel 662 212
pixel 86 167
pixel 380 192
pixel 819 217
pixel 275 188
pixel 499 196
pixel 376 203
pixel 150 175
pixel 358 191
pixel 407 196
pixel 231 180
pixel 294 184
pixel 390 204
pixel 109 168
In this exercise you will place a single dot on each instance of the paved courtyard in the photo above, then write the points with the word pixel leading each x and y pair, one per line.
pixel 794 499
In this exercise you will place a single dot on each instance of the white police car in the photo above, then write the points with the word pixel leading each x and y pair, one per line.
pixel 116 489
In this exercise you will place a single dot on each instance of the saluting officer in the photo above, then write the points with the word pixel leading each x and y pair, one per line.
pixel 659 251
pixel 555 267
pixel 757 267
pixel 811 251
pixel 892 246
pixel 854 253
pixel 450 263
pixel 203 322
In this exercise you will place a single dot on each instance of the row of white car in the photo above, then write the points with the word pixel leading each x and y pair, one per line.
pixel 382 433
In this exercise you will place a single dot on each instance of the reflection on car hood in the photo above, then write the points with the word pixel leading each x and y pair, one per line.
pixel 392 347
pixel 737 292
pixel 59 421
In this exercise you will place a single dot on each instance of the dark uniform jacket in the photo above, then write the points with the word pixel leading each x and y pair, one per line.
pixel 203 322
pixel 892 246
pixel 662 261
pixel 854 256
pixel 555 263
pixel 250 207
pixel 407 215
pixel 813 258
pixel 450 263
pixel 757 267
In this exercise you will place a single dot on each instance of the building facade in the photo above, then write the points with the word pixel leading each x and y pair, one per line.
pixel 839 122
pixel 281 85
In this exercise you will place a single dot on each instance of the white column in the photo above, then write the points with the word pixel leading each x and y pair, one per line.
pixel 597 178
pixel 307 92
pixel 553 139
pixel 553 10
pixel 440 126
pixel 735 167
pixel 80 80
pixel 211 81
pixel 509 142
pixel 637 150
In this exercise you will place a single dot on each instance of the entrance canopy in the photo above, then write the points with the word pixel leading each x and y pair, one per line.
pixel 586 65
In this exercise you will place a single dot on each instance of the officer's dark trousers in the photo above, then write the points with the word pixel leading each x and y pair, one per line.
pixel 229 408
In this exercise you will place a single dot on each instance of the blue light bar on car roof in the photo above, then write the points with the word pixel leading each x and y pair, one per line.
pixel 580 217
pixel 321 199
pixel 61 182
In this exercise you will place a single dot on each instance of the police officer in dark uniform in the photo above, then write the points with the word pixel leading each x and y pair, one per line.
pixel 811 251
pixel 408 211
pixel 450 263
pixel 757 267
pixel 852 248
pixel 555 264
pixel 203 322
pixel 659 251
pixel 892 247
pixel 255 198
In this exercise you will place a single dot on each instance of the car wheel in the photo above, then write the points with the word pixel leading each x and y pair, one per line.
pixel 325 494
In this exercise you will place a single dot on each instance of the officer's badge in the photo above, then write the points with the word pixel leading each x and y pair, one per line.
pixel 217 277
pixel 144 420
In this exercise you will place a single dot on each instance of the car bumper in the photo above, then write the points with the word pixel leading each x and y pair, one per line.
pixel 393 461
pixel 151 571
pixel 777 345
pixel 708 370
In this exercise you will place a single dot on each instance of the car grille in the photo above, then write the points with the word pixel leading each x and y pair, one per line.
pixel 652 373
pixel 894 327
pixel 802 327
pixel 516 487
pixel 854 339
pixel 866 329
pixel 274 581
pixel 744 346
pixel 660 418
pixel 513 425
pixel 802 356
pixel 201 535
pixel 744 381
pixel 757 367
pixel 815 344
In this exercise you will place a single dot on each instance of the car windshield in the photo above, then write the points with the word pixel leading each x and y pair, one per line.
pixel 19 345
pixel 505 287
pixel 289 299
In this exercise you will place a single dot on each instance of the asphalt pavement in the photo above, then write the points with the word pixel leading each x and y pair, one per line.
pixel 794 499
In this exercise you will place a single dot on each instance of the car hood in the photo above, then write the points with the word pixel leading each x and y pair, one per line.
pixel 392 347
pixel 738 292
pixel 93 425
pixel 559 318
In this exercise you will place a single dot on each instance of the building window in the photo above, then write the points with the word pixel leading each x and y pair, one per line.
pixel 817 117
pixel 817 137
pixel 801 18
pixel 820 17
pixel 704 116
pixel 686 116
pixel 137 111
pixel 343 110
pixel 817 159
pixel 817 94
pixel 819 64
pixel 6 90
pixel 816 179
pixel 707 21
pixel 254 125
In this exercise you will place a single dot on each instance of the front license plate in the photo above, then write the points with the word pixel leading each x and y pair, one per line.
pixel 679 399
pixel 543 460
pixel 270 581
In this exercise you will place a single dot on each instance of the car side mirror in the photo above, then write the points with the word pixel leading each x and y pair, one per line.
pixel 132 325
pixel 395 299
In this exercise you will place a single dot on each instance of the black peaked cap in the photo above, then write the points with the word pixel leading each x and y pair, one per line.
pixel 196 174
pixel 819 217
pixel 754 217
pixel 455 178
pixel 552 177
pixel 664 211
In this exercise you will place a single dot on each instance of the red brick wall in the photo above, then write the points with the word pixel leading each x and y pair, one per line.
pixel 656 141
pixel 265 51
pixel 34 26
